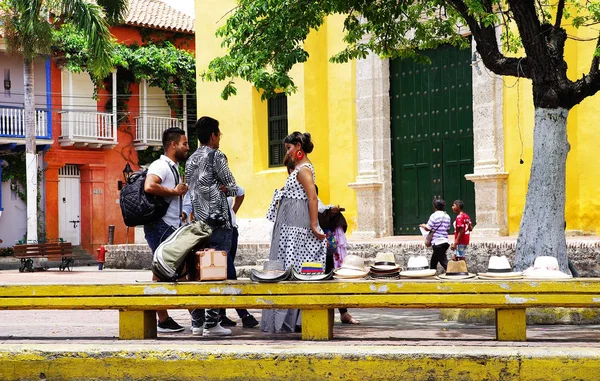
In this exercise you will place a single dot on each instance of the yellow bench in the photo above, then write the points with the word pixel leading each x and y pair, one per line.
pixel 137 302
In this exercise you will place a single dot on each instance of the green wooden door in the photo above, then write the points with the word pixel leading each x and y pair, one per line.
pixel 432 135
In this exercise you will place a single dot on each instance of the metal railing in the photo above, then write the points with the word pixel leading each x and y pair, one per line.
pixel 149 129
pixel 12 122
pixel 88 126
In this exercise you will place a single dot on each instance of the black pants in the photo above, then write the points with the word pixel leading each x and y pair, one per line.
pixel 439 256
pixel 231 273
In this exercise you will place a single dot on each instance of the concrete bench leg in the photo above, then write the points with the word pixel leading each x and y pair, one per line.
pixel 317 325
pixel 511 324
pixel 137 325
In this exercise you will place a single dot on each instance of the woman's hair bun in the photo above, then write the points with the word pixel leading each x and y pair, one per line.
pixel 307 144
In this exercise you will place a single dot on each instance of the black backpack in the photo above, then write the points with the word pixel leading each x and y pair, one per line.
pixel 137 206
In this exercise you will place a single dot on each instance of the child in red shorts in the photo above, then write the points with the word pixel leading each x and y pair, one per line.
pixel 462 231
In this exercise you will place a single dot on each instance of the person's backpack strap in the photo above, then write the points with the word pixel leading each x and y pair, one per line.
pixel 177 180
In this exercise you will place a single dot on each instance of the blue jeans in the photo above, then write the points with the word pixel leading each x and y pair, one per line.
pixel 461 251
pixel 156 232
pixel 219 240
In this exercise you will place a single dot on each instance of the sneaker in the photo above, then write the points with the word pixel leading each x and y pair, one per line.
pixel 169 325
pixel 249 321
pixel 217 330
pixel 197 329
pixel 227 322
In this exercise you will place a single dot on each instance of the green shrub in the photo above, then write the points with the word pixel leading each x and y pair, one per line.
pixel 7 252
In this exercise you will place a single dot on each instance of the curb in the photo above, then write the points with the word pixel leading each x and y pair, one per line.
pixel 298 362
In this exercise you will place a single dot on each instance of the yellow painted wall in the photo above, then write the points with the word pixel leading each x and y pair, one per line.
pixel 583 183
pixel 324 105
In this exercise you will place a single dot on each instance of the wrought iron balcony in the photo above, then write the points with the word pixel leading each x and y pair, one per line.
pixel 88 129
pixel 149 130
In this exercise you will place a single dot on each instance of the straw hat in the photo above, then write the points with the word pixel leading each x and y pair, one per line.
pixel 385 262
pixel 499 268
pixel 457 270
pixel 545 268
pixel 353 267
pixel 311 271
pixel 418 267
pixel 273 271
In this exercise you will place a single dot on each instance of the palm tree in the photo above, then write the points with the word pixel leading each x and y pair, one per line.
pixel 27 27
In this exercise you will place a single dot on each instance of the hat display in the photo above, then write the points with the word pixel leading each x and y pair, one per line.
pixel 418 267
pixel 499 268
pixel 311 271
pixel 545 268
pixel 273 271
pixel 385 267
pixel 457 270
pixel 353 267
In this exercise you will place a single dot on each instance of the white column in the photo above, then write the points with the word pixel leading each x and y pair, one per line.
pixel 185 114
pixel 488 147
pixel 373 184
pixel 144 111
pixel 70 103
pixel 114 105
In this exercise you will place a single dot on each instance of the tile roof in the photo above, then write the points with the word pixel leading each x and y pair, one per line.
pixel 157 15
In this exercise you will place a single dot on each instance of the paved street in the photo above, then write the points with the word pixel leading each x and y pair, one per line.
pixel 401 327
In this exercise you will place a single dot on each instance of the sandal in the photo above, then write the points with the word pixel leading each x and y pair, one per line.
pixel 346 318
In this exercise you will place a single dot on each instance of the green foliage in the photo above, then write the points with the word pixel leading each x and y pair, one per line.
pixel 15 172
pixel 159 62
pixel 28 25
pixel 264 38
pixel 7 252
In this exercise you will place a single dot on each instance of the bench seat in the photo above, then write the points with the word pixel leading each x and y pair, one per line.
pixel 53 251
pixel 137 302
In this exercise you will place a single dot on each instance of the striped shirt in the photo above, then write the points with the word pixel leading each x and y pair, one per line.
pixel 439 221
pixel 204 182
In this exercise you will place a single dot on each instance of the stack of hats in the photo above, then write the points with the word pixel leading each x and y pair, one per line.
pixel 545 268
pixel 272 272
pixel 499 269
pixel 457 270
pixel 311 271
pixel 418 267
pixel 353 267
pixel 385 267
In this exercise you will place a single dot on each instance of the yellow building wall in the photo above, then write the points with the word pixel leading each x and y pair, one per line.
pixel 324 105
pixel 583 183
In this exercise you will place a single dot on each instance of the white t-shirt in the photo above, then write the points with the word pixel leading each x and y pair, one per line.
pixel 240 192
pixel 161 169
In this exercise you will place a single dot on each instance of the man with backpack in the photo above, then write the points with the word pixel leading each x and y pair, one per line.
pixel 163 180
pixel 211 182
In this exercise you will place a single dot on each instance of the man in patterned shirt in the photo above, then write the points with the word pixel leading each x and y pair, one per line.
pixel 210 182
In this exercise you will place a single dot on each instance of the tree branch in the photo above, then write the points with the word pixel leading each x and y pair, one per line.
pixel 488 49
pixel 559 13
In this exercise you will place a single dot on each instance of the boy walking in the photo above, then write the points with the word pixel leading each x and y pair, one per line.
pixel 462 231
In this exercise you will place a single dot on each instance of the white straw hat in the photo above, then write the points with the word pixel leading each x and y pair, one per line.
pixel 545 267
pixel 417 267
pixel 499 268
pixel 353 267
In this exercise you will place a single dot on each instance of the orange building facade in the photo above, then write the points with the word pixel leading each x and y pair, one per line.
pixel 99 169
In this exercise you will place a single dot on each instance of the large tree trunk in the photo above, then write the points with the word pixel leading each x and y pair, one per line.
pixel 542 225
pixel 30 152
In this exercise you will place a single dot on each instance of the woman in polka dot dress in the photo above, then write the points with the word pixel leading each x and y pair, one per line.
pixel 297 237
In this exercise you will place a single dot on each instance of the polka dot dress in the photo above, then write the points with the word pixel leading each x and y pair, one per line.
pixel 292 236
